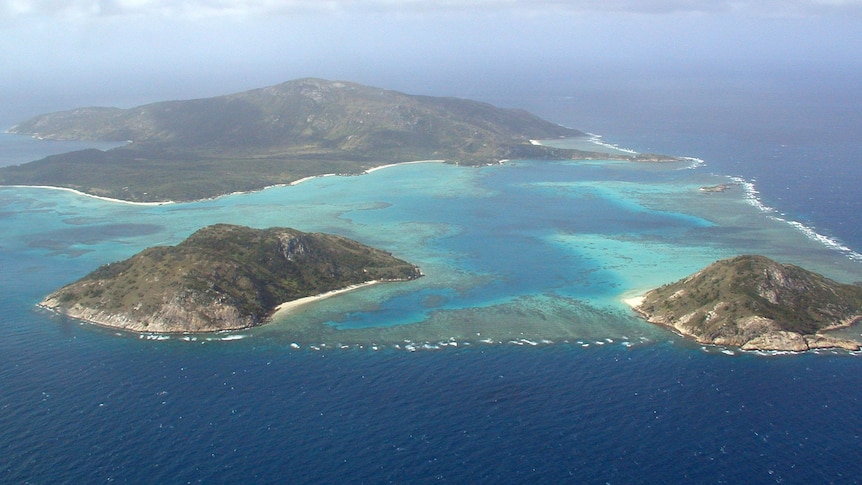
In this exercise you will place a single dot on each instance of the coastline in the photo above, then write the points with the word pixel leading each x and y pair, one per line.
pixel 776 341
pixel 312 177
pixel 381 167
pixel 292 305
pixel 593 139
pixel 282 309
pixel 99 197
pixel 165 202
pixel 303 179
pixel 635 297
pixel 697 162
pixel 634 302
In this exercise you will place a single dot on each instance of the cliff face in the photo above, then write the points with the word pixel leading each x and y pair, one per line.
pixel 755 303
pixel 223 277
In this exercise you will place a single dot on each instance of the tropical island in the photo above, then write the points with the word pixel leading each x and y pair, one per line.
pixel 224 277
pixel 227 277
pixel 203 148
pixel 754 303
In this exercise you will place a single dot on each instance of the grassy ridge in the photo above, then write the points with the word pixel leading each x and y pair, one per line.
pixel 188 150
pixel 223 277
pixel 738 300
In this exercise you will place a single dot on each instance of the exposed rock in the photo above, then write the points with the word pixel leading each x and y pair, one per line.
pixel 780 340
pixel 223 277
pixel 755 303
pixel 824 342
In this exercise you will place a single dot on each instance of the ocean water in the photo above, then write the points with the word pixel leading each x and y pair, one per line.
pixel 512 360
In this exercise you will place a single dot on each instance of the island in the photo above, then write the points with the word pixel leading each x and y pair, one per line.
pixel 204 148
pixel 223 277
pixel 755 303
pixel 718 188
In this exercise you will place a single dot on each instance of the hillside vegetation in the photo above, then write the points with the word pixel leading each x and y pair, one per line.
pixel 756 303
pixel 223 277
pixel 194 149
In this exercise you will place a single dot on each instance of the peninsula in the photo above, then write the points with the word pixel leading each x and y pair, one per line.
pixel 203 148
pixel 755 303
pixel 223 277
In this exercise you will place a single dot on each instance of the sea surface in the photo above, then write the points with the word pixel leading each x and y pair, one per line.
pixel 514 360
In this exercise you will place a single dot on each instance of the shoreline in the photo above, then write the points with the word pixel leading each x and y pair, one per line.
pixel 381 167
pixel 282 309
pixel 303 179
pixel 595 140
pixel 635 301
pixel 99 197
pixel 289 306
pixel 812 342
pixel 166 202
pixel 635 297
pixel 310 177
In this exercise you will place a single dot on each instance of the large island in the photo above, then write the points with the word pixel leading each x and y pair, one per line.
pixel 223 277
pixel 203 148
pixel 755 303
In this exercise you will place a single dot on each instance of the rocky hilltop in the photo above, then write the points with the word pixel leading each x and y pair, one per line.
pixel 755 303
pixel 275 135
pixel 223 277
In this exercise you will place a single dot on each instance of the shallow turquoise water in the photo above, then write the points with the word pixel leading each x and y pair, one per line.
pixel 526 249
pixel 558 243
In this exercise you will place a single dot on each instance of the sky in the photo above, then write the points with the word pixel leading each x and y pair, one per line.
pixel 61 54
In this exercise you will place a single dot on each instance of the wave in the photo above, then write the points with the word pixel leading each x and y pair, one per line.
pixel 597 139
pixel 188 337
pixel 694 162
pixel 232 337
pixel 752 196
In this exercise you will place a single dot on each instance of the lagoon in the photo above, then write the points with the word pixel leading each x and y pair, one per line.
pixel 526 250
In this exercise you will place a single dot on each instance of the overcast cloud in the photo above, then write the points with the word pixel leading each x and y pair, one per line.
pixel 201 8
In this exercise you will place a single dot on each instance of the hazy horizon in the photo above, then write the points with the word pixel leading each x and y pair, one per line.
pixel 66 54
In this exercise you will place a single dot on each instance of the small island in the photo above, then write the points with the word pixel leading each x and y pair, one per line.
pixel 717 188
pixel 754 303
pixel 223 277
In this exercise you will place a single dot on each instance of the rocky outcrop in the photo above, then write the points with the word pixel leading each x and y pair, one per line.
pixel 755 303
pixel 223 277
pixel 181 314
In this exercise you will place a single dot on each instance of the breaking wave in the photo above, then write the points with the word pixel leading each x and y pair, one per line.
pixel 752 196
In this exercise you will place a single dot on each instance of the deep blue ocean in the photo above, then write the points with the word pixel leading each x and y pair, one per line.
pixel 540 373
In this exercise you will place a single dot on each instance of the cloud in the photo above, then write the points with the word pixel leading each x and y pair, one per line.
pixel 209 8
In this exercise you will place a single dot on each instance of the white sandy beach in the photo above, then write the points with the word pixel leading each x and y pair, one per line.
pixel 634 298
pixel 312 177
pixel 295 182
pixel 634 301
pixel 374 169
pixel 305 179
pixel 78 192
pixel 289 306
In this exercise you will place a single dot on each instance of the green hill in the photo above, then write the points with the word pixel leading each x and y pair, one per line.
pixel 223 277
pixel 756 303
pixel 194 149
